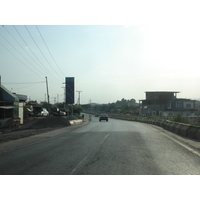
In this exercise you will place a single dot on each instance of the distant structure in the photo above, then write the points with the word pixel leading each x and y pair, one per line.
pixel 166 104
pixel 11 108
pixel 79 98
pixel 69 90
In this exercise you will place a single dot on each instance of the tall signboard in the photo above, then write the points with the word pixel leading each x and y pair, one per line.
pixel 69 90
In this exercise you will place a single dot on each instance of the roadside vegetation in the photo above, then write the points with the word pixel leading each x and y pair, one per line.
pixel 119 107
pixel 129 110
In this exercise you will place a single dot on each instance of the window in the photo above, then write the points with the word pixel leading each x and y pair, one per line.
pixel 169 105
pixel 188 105
pixel 178 104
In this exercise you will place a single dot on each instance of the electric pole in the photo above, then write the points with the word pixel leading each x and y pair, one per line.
pixel 79 98
pixel 47 90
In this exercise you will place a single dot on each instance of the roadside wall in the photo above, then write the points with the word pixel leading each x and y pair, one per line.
pixel 186 130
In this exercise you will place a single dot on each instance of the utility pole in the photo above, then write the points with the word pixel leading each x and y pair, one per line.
pixel 47 90
pixel 57 98
pixel 79 99
pixel 1 97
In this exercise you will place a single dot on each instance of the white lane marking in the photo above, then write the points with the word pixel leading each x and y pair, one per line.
pixel 180 143
pixel 87 157
pixel 79 164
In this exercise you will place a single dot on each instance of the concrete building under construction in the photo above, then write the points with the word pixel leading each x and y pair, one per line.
pixel 166 104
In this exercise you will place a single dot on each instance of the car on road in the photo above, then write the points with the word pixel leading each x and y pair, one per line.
pixel 103 117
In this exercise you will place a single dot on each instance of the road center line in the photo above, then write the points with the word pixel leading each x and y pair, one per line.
pixel 87 157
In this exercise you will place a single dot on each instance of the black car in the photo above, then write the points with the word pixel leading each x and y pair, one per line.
pixel 103 117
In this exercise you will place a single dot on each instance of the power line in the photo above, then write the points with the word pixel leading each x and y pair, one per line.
pixel 20 60
pixel 24 82
pixel 49 51
pixel 19 52
pixel 24 56
pixel 34 54
pixel 41 52
pixel 20 44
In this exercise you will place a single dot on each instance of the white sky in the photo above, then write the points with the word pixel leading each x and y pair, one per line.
pixel 137 47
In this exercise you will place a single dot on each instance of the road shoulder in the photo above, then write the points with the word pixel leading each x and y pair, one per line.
pixel 22 142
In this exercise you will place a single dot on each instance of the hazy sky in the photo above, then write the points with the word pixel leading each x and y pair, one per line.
pixel 109 62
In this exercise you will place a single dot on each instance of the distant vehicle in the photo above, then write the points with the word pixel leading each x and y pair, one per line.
pixel 103 117
pixel 54 111
pixel 28 111
pixel 96 115
pixel 63 111
pixel 43 113
pixel 58 111
pixel 39 111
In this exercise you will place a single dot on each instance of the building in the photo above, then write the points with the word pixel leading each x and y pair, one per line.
pixel 11 107
pixel 166 104
pixel 197 106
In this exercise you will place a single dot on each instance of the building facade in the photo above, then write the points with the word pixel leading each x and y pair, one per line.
pixel 166 104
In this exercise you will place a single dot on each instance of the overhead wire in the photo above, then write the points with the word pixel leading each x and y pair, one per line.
pixel 49 51
pixel 24 82
pixel 28 53
pixel 18 51
pixel 20 60
pixel 44 68
pixel 20 45
pixel 42 52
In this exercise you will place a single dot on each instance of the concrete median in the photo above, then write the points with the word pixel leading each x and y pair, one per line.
pixel 76 122
pixel 197 134
pixel 191 132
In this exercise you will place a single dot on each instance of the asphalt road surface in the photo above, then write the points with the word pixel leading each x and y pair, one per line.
pixel 115 147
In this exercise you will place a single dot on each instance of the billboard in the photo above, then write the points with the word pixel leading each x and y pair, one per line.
pixel 69 90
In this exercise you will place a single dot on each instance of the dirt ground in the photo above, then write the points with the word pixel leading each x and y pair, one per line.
pixel 32 127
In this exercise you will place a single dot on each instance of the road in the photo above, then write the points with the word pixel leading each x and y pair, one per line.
pixel 104 148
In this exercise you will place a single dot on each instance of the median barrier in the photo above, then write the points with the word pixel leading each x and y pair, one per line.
pixel 183 129
pixel 149 121
pixel 143 120
pixel 191 132
pixel 76 122
pixel 197 134
pixel 168 125
pixel 165 124
pixel 161 123
pixel 158 122
pixel 177 128
pixel 155 122
pixel 173 126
